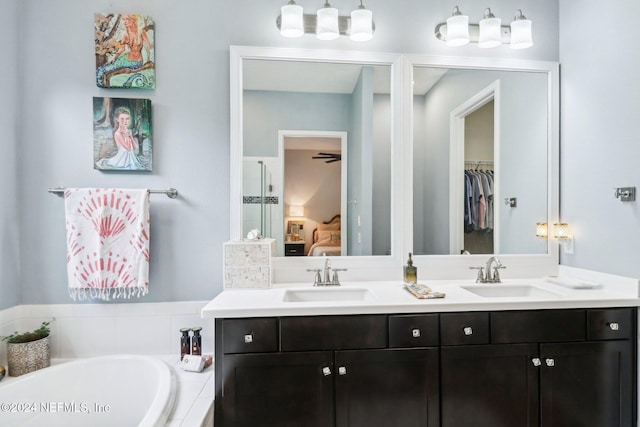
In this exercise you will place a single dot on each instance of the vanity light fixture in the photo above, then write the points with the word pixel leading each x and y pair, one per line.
pixel 292 21
pixel 488 33
pixel 457 28
pixel 326 23
pixel 542 230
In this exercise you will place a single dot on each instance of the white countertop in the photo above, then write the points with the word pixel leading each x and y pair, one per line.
pixel 390 297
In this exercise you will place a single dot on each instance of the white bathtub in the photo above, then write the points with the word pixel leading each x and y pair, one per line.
pixel 119 390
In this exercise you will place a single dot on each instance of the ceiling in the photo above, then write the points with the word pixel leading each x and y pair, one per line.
pixel 325 77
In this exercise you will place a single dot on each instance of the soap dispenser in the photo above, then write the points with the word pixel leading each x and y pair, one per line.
pixel 410 272
pixel 185 342
pixel 196 342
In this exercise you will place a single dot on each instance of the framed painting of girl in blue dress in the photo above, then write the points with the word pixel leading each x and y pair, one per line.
pixel 122 134
pixel 125 54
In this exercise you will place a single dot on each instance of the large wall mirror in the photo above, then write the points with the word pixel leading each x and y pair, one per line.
pixel 371 150
pixel 315 143
pixel 480 160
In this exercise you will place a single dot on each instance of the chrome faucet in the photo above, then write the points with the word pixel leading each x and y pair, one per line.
pixel 488 275
pixel 492 276
pixel 326 275
pixel 323 275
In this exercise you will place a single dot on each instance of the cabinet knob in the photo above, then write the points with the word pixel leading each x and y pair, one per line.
pixel 415 333
pixel 342 370
pixel 468 330
pixel 248 339
pixel 326 371
pixel 536 361
pixel 614 326
pixel 550 362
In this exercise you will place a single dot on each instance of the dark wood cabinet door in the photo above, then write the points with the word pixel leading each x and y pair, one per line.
pixel 587 384
pixel 387 388
pixel 489 386
pixel 283 390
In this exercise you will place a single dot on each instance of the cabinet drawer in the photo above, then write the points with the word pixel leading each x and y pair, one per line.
pixel 255 335
pixel 333 332
pixel 294 249
pixel 464 328
pixel 610 324
pixel 414 330
pixel 538 326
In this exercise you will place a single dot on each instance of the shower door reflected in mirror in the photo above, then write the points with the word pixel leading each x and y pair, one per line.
pixel 261 197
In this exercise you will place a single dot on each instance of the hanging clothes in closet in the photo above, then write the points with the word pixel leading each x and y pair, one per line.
pixel 478 196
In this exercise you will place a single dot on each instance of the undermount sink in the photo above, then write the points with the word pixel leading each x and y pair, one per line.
pixel 327 294
pixel 509 291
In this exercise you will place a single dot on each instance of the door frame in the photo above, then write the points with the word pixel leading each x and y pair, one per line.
pixel 342 136
pixel 456 164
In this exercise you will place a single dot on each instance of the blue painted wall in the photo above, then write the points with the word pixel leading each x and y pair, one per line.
pixel 53 140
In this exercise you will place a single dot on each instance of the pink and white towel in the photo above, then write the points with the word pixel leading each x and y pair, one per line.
pixel 107 242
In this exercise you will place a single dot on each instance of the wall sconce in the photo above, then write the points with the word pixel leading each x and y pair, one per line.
pixel 326 23
pixel 542 230
pixel 296 210
pixel 562 232
pixel 488 33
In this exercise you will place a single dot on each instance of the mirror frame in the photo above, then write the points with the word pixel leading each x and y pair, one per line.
pixel 525 265
pixel 293 269
pixel 362 268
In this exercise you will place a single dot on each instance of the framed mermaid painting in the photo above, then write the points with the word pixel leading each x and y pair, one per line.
pixel 125 54
pixel 122 134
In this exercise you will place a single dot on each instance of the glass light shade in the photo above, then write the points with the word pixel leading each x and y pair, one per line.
pixel 296 210
pixel 291 21
pixel 327 24
pixel 361 25
pixel 542 230
pixel 561 230
pixel 521 37
pixel 490 33
pixel 457 30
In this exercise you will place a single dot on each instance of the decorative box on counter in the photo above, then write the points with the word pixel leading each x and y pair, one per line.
pixel 247 263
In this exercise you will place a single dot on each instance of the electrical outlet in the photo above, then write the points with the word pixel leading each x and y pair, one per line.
pixel 567 245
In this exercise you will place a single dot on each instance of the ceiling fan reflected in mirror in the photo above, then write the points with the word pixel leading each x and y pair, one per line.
pixel 329 157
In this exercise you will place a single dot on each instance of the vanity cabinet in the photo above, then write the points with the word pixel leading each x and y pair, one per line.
pixel 545 368
pixel 326 371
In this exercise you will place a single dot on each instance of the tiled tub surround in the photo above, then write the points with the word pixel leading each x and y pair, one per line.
pixel 87 330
